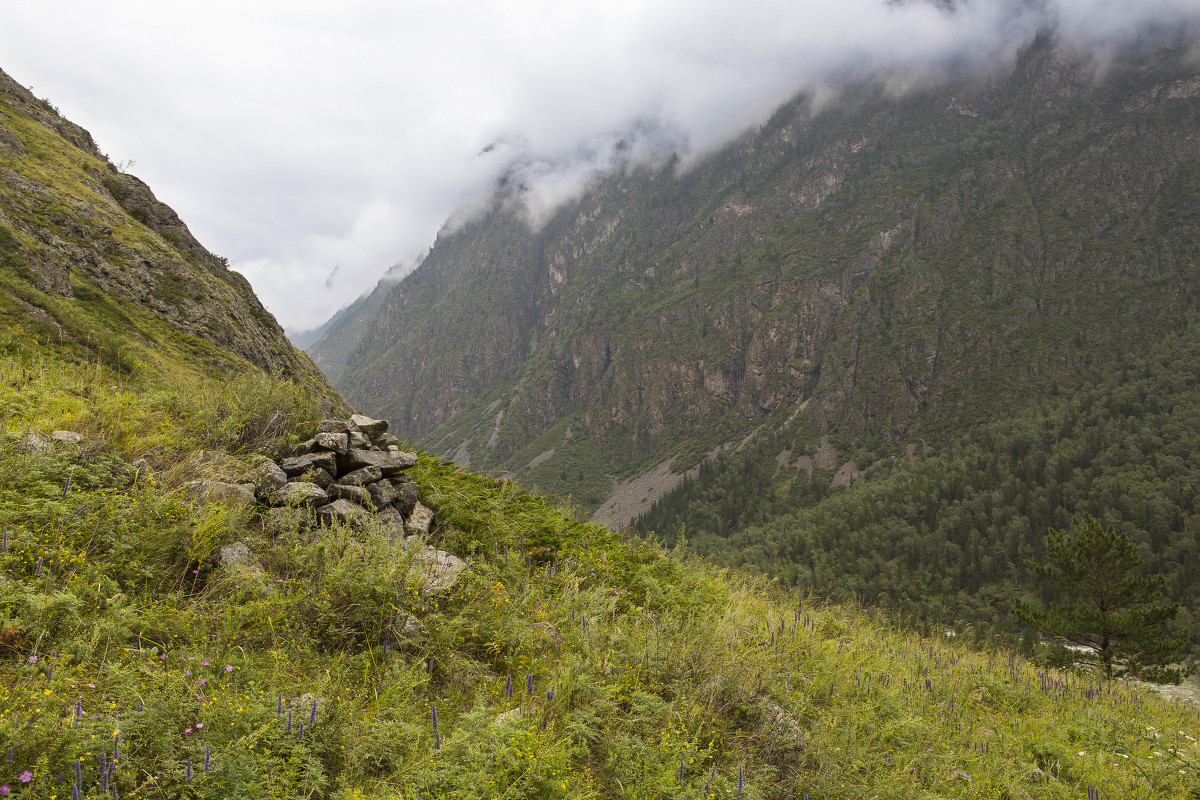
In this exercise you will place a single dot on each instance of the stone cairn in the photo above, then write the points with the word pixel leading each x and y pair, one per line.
pixel 350 472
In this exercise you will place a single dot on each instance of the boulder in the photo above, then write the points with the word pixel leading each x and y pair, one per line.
pixel 299 493
pixel 337 442
pixel 321 478
pixel 66 437
pixel 371 427
pixel 238 493
pixel 343 512
pixel 267 478
pixel 234 555
pixel 388 462
pixel 382 493
pixel 298 465
pixel 333 426
pixel 419 521
pixel 355 494
pixel 36 444
pixel 361 477
pixel 390 519
pixel 287 519
pixel 359 440
pixel 407 495
pixel 386 442
pixel 438 569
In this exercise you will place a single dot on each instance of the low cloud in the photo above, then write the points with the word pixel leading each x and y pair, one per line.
pixel 296 138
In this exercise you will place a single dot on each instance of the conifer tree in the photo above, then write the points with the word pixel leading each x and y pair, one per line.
pixel 1106 606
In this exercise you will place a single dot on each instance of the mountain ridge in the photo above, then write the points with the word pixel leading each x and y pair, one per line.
pixel 901 266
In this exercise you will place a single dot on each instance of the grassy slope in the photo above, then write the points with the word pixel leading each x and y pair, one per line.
pixel 682 676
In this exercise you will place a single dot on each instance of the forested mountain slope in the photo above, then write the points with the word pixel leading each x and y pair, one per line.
pixel 883 268
pixel 945 535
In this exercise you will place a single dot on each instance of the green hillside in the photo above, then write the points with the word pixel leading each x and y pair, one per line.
pixel 945 534
pixel 635 672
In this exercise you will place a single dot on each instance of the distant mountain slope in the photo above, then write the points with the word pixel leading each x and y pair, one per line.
pixel 880 269
pixel 91 262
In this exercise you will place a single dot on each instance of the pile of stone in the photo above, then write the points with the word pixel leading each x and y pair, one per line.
pixel 350 472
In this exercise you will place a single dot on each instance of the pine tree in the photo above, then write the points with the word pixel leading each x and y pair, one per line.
pixel 1107 607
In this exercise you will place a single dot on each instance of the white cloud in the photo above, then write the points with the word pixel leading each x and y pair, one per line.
pixel 296 137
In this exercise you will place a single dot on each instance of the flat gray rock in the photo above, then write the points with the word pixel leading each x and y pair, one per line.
pixel 321 478
pixel 337 442
pixel 382 493
pixel 287 519
pixel 298 465
pixel 371 427
pixel 419 521
pixel 344 512
pixel 439 570
pixel 407 495
pixel 355 494
pixel 333 426
pixel 360 477
pixel 388 462
pixel 299 493
pixel 66 437
pixel 267 478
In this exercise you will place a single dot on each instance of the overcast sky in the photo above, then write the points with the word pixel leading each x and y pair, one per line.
pixel 316 143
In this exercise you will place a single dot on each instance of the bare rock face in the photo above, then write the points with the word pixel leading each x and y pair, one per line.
pixel 407 494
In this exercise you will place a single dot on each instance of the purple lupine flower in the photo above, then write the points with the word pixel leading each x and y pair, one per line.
pixel 529 683
pixel 189 768
pixel 437 736
pixel 739 781
pixel 279 705
pixel 207 757
pixel 508 687
pixel 116 746
pixel 312 717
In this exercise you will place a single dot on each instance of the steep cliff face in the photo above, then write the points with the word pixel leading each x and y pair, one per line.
pixel 893 266
pixel 92 260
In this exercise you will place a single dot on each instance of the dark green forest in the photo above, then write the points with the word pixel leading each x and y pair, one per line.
pixel 945 536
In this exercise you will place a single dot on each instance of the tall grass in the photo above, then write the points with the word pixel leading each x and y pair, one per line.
pixel 634 672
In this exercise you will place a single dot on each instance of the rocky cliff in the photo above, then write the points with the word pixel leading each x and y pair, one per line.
pixel 880 268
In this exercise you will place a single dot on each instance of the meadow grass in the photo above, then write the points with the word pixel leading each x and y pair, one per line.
pixel 568 661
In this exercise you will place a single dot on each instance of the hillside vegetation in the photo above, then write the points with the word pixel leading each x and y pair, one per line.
pixel 634 672
pixel 946 534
